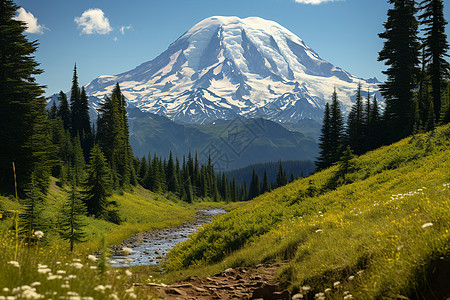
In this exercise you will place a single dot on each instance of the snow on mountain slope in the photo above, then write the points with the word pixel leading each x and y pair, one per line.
pixel 225 67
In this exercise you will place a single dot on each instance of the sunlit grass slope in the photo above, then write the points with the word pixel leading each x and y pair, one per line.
pixel 140 210
pixel 385 233
pixel 49 271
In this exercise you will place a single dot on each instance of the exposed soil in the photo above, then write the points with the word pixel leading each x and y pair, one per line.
pixel 238 283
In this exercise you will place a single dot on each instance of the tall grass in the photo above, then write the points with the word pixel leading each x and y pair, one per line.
pixel 381 235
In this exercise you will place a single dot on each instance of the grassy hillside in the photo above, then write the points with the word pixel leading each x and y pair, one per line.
pixel 140 210
pixel 384 233
pixel 48 270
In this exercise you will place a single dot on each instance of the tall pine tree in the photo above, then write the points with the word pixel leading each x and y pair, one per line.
pixel 23 125
pixel 355 127
pixel 436 49
pixel 336 129
pixel 72 218
pixel 400 54
pixel 64 111
pixel 98 184
pixel 325 159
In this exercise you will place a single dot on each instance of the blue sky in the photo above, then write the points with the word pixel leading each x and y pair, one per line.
pixel 128 33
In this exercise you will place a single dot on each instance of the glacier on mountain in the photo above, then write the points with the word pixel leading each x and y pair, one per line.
pixel 227 67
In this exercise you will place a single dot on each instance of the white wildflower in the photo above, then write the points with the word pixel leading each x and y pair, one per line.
pixel 36 283
pixel 93 267
pixel 76 265
pixel 336 284
pixel 100 288
pixel 92 257
pixel 44 270
pixel 319 230
pixel 53 277
pixel 320 296
pixel 351 278
pixel 14 263
pixel 76 260
pixel 61 272
pixel 426 225
pixel 327 290
pixel 128 273
pixel 114 296
pixel 349 296
pixel 132 295
pixel 306 288
pixel 38 234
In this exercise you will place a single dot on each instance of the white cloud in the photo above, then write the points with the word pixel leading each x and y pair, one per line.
pixel 314 2
pixel 115 39
pixel 93 21
pixel 30 20
pixel 123 28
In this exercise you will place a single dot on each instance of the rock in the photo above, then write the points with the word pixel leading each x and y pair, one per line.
pixel 175 291
pixel 199 289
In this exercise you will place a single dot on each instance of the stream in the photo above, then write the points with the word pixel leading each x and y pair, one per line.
pixel 151 247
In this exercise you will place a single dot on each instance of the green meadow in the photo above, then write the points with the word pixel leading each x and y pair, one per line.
pixel 381 232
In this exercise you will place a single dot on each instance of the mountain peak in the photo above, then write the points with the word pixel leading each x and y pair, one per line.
pixel 248 67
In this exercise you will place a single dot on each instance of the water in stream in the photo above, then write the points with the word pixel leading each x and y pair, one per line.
pixel 152 246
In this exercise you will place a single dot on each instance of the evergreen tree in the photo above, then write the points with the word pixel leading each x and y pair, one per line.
pixel 53 111
pixel 97 185
pixel 78 164
pixel 172 180
pixel 72 218
pixel 234 191
pixel 75 105
pixel 281 176
pixel 255 186
pixel 266 185
pixel 436 48
pixel 113 138
pixel 23 125
pixel 188 189
pixel 32 217
pixel 86 136
pixel 374 132
pixel 336 129
pixel 311 191
pixel 244 192
pixel 64 111
pixel 346 166
pixel 355 127
pixel 325 154
pixel 292 179
pixel 400 53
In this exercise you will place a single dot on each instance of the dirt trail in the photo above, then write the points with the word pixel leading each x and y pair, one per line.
pixel 238 283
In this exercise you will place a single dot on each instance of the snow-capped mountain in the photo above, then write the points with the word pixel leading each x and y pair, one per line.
pixel 225 67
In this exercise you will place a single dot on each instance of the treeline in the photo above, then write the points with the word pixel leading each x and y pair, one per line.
pixel 297 168
pixel 192 180
pixel 416 92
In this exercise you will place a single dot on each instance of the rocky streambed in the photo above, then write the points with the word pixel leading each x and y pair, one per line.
pixel 151 247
